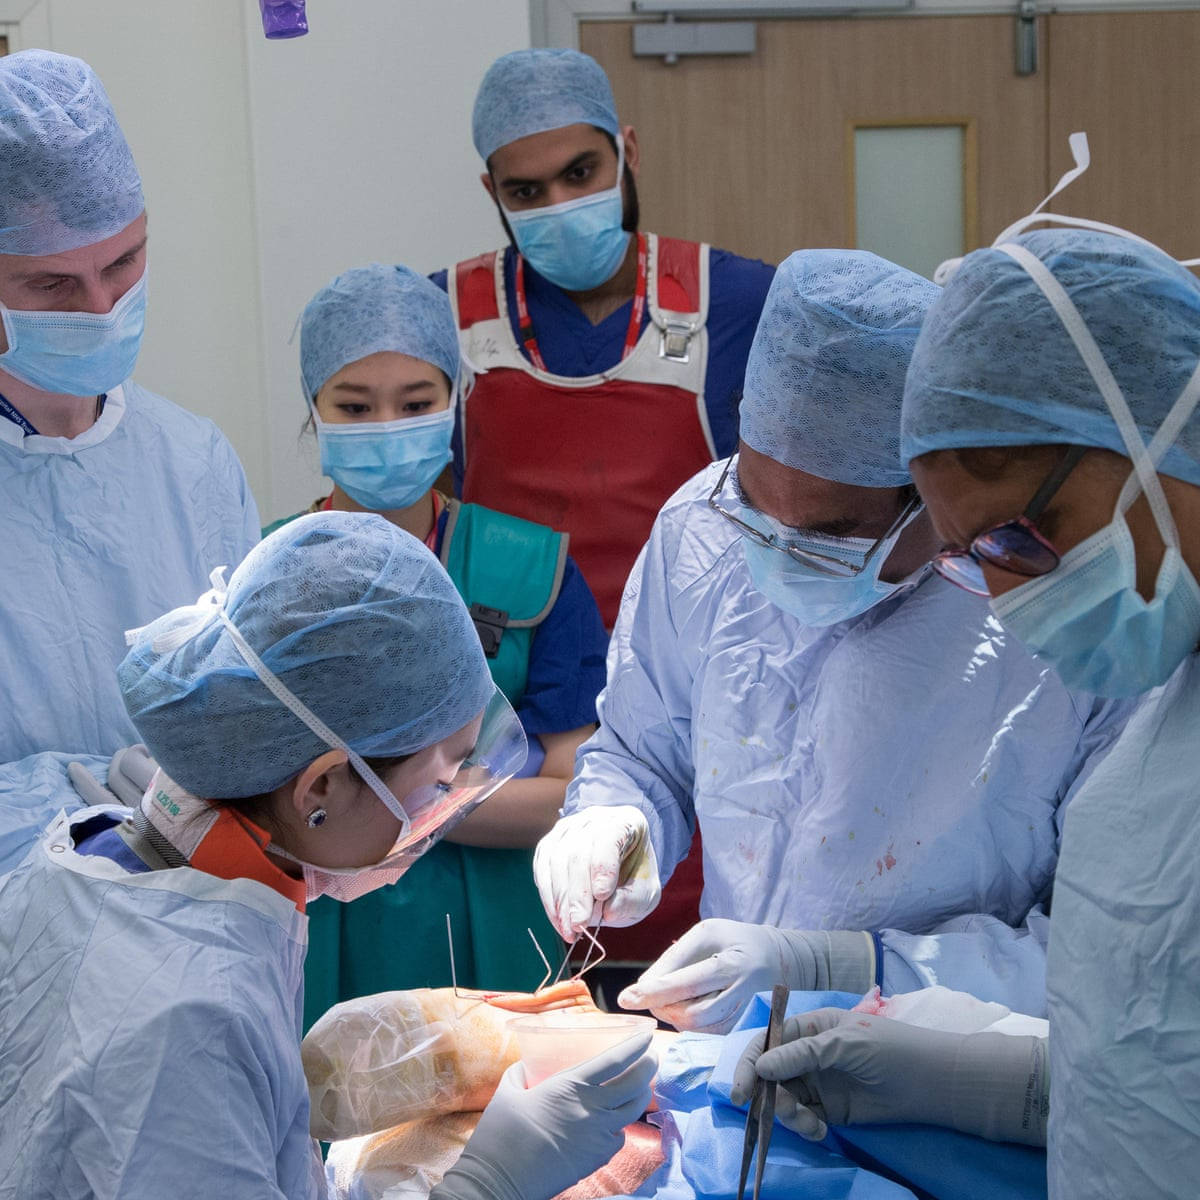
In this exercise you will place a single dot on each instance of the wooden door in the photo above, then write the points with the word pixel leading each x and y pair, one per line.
pixel 1130 80
pixel 753 153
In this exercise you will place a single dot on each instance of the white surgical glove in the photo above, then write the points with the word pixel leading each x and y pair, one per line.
pixel 597 865
pixel 705 980
pixel 532 1144
pixel 849 1068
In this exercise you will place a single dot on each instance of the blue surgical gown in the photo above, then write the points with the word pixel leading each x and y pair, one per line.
pixel 906 770
pixel 104 532
pixel 32 791
pixel 1124 964
pixel 149 1033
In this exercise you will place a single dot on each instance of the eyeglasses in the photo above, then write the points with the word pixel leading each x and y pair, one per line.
pixel 826 564
pixel 1017 546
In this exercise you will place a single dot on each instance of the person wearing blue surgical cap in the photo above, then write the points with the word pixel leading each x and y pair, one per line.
pixel 879 772
pixel 116 502
pixel 1051 416
pixel 318 723
pixel 622 348
pixel 625 350
pixel 379 362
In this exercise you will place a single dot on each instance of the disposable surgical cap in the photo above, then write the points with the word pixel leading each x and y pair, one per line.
pixel 375 308
pixel 825 376
pixel 67 178
pixel 531 91
pixel 994 365
pixel 354 616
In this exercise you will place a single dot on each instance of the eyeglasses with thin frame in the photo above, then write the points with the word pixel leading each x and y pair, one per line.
pixel 824 563
pixel 1017 545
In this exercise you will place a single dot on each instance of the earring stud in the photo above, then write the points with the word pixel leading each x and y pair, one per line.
pixel 316 818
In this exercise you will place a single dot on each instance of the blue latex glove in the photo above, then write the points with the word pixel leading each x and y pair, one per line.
pixel 531 1144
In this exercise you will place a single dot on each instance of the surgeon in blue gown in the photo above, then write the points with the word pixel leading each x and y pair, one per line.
pixel 1110 367
pixel 318 724
pixel 879 771
pixel 116 503
pixel 1050 417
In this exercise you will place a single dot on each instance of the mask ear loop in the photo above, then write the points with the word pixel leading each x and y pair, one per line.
pixel 276 687
pixel 1144 477
pixel 1168 433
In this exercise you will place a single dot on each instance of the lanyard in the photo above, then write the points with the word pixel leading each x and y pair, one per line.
pixel 7 409
pixel 438 505
pixel 529 338
pixel 10 410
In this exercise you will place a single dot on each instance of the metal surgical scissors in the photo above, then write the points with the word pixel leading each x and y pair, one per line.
pixel 761 1118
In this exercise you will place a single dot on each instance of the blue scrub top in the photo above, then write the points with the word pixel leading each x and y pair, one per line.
pixel 572 346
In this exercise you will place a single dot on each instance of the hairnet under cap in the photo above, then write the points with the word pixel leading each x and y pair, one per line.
pixel 531 91
pixel 358 620
pixel 375 308
pixel 994 365
pixel 825 375
pixel 67 178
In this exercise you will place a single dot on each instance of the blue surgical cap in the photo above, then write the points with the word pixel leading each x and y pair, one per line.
pixel 825 375
pixel 67 178
pixel 531 91
pixel 356 618
pixel 994 365
pixel 375 308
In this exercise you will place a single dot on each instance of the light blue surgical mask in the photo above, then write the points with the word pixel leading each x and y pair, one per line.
pixel 75 353
pixel 814 598
pixel 1086 618
pixel 385 465
pixel 578 244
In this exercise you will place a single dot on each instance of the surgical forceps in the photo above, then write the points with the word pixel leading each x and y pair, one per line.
pixel 760 1120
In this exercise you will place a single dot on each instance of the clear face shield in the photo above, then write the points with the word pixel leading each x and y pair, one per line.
pixel 426 814
pixel 432 811
pixel 429 813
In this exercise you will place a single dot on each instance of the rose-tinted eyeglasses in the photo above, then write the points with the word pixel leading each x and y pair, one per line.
pixel 1017 546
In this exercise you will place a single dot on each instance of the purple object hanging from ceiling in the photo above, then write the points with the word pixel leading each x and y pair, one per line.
pixel 283 18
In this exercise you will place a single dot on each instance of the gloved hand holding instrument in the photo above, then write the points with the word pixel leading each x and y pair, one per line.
pixel 531 1144
pixel 597 866
pixel 762 1096
pixel 704 981
pixel 842 1067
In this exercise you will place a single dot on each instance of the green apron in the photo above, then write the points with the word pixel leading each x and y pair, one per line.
pixel 509 573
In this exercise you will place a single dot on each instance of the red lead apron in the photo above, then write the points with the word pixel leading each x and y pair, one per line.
pixel 598 455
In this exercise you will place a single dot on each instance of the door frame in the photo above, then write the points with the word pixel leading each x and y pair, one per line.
pixel 556 22
pixel 26 23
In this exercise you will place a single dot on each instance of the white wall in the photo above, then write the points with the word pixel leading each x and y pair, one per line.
pixel 176 74
pixel 270 166
pixel 362 148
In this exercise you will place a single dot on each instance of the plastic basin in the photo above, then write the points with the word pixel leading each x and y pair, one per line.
pixel 551 1042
